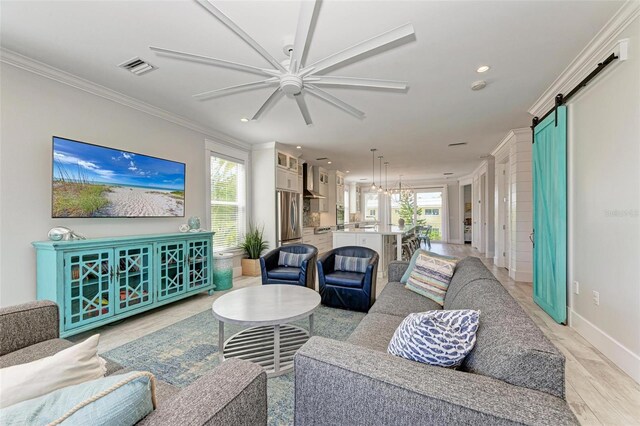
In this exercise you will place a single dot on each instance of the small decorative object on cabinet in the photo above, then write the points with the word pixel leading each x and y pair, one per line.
pixel 194 223
pixel 61 233
pixel 102 280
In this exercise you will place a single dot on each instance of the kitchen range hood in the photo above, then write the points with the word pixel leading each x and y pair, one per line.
pixel 307 182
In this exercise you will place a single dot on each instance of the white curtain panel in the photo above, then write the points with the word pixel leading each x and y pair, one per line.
pixel 445 214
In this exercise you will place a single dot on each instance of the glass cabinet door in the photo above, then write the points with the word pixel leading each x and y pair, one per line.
pixel 198 261
pixel 87 291
pixel 172 263
pixel 133 277
pixel 293 164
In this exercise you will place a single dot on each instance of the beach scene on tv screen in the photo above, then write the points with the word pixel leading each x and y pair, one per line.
pixel 95 181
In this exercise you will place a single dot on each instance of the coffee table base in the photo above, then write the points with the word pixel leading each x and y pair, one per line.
pixel 271 347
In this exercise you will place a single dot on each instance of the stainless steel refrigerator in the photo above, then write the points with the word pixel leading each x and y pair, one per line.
pixel 289 216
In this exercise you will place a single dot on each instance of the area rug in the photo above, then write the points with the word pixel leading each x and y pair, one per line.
pixel 181 353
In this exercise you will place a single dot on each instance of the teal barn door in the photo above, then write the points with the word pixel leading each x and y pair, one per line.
pixel 550 215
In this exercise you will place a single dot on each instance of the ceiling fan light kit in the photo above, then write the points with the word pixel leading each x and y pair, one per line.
pixel 292 77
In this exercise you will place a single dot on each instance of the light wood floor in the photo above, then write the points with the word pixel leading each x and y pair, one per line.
pixel 597 391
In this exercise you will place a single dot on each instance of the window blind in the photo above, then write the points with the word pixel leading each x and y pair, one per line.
pixel 228 210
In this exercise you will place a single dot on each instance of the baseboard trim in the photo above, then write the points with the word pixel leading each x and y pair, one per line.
pixel 237 271
pixel 628 361
pixel 526 277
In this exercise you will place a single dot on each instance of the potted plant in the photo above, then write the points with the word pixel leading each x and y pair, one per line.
pixel 253 246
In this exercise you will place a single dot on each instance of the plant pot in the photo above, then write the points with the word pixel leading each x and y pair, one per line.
pixel 251 267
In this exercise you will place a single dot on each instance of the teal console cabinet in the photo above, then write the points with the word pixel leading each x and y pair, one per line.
pixel 102 280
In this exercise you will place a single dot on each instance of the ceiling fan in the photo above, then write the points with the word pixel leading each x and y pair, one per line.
pixel 292 77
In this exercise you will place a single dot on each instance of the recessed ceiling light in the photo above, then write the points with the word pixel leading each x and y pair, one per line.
pixel 458 144
pixel 478 85
pixel 298 147
pixel 348 171
pixel 483 68
pixel 244 119
pixel 328 162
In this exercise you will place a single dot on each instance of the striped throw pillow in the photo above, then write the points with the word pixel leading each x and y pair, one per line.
pixel 442 338
pixel 289 260
pixel 351 264
pixel 431 276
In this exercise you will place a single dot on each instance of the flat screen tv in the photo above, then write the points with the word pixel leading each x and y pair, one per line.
pixel 96 181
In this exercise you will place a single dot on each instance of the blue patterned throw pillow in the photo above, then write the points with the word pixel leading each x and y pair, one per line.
pixel 441 338
pixel 295 260
pixel 351 264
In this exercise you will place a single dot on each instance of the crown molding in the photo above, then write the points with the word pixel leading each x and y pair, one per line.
pixel 20 61
pixel 513 133
pixel 604 43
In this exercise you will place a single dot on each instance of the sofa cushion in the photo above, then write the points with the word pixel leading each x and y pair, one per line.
pixel 414 258
pixel 509 346
pixel 431 276
pixel 45 349
pixel 351 264
pixel 468 269
pixel 77 364
pixel 375 331
pixel 440 338
pixel 284 273
pixel 395 299
pixel 287 259
pixel 345 279
pixel 114 400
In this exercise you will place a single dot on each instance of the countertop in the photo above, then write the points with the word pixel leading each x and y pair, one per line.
pixel 378 229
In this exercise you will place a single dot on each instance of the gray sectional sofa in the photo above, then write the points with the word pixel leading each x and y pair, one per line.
pixel 235 393
pixel 514 374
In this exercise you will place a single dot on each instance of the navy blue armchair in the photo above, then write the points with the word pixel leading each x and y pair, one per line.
pixel 305 275
pixel 348 290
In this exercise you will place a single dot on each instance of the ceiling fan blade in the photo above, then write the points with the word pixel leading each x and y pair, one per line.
pixel 303 108
pixel 240 32
pixel 213 61
pixel 237 88
pixel 399 33
pixel 305 20
pixel 333 100
pixel 277 94
pixel 357 82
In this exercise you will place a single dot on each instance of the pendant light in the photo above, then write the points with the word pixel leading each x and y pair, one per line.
pixel 386 181
pixel 373 169
pixel 380 172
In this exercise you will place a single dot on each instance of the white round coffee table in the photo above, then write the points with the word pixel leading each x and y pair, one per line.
pixel 270 342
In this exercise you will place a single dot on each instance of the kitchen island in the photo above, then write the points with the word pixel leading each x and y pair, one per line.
pixel 379 238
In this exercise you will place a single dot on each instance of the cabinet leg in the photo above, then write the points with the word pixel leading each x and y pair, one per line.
pixel 210 292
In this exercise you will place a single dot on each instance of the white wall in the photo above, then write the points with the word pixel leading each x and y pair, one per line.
pixel 604 209
pixel 34 109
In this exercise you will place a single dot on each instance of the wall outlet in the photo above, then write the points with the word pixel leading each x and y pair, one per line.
pixel 596 298
pixel 576 287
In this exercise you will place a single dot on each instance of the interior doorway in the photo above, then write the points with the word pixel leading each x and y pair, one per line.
pixel 467 217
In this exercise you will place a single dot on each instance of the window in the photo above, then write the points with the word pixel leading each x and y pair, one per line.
pixel 403 206
pixel 371 206
pixel 228 212
pixel 428 206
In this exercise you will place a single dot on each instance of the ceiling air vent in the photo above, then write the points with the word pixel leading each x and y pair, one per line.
pixel 137 66
pixel 458 144
pixel 321 158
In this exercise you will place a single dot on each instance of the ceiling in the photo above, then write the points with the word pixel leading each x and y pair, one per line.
pixel 526 43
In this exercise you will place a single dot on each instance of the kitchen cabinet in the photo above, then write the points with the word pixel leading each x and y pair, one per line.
pixel 321 183
pixel 287 173
pixel 323 242
pixel 339 189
